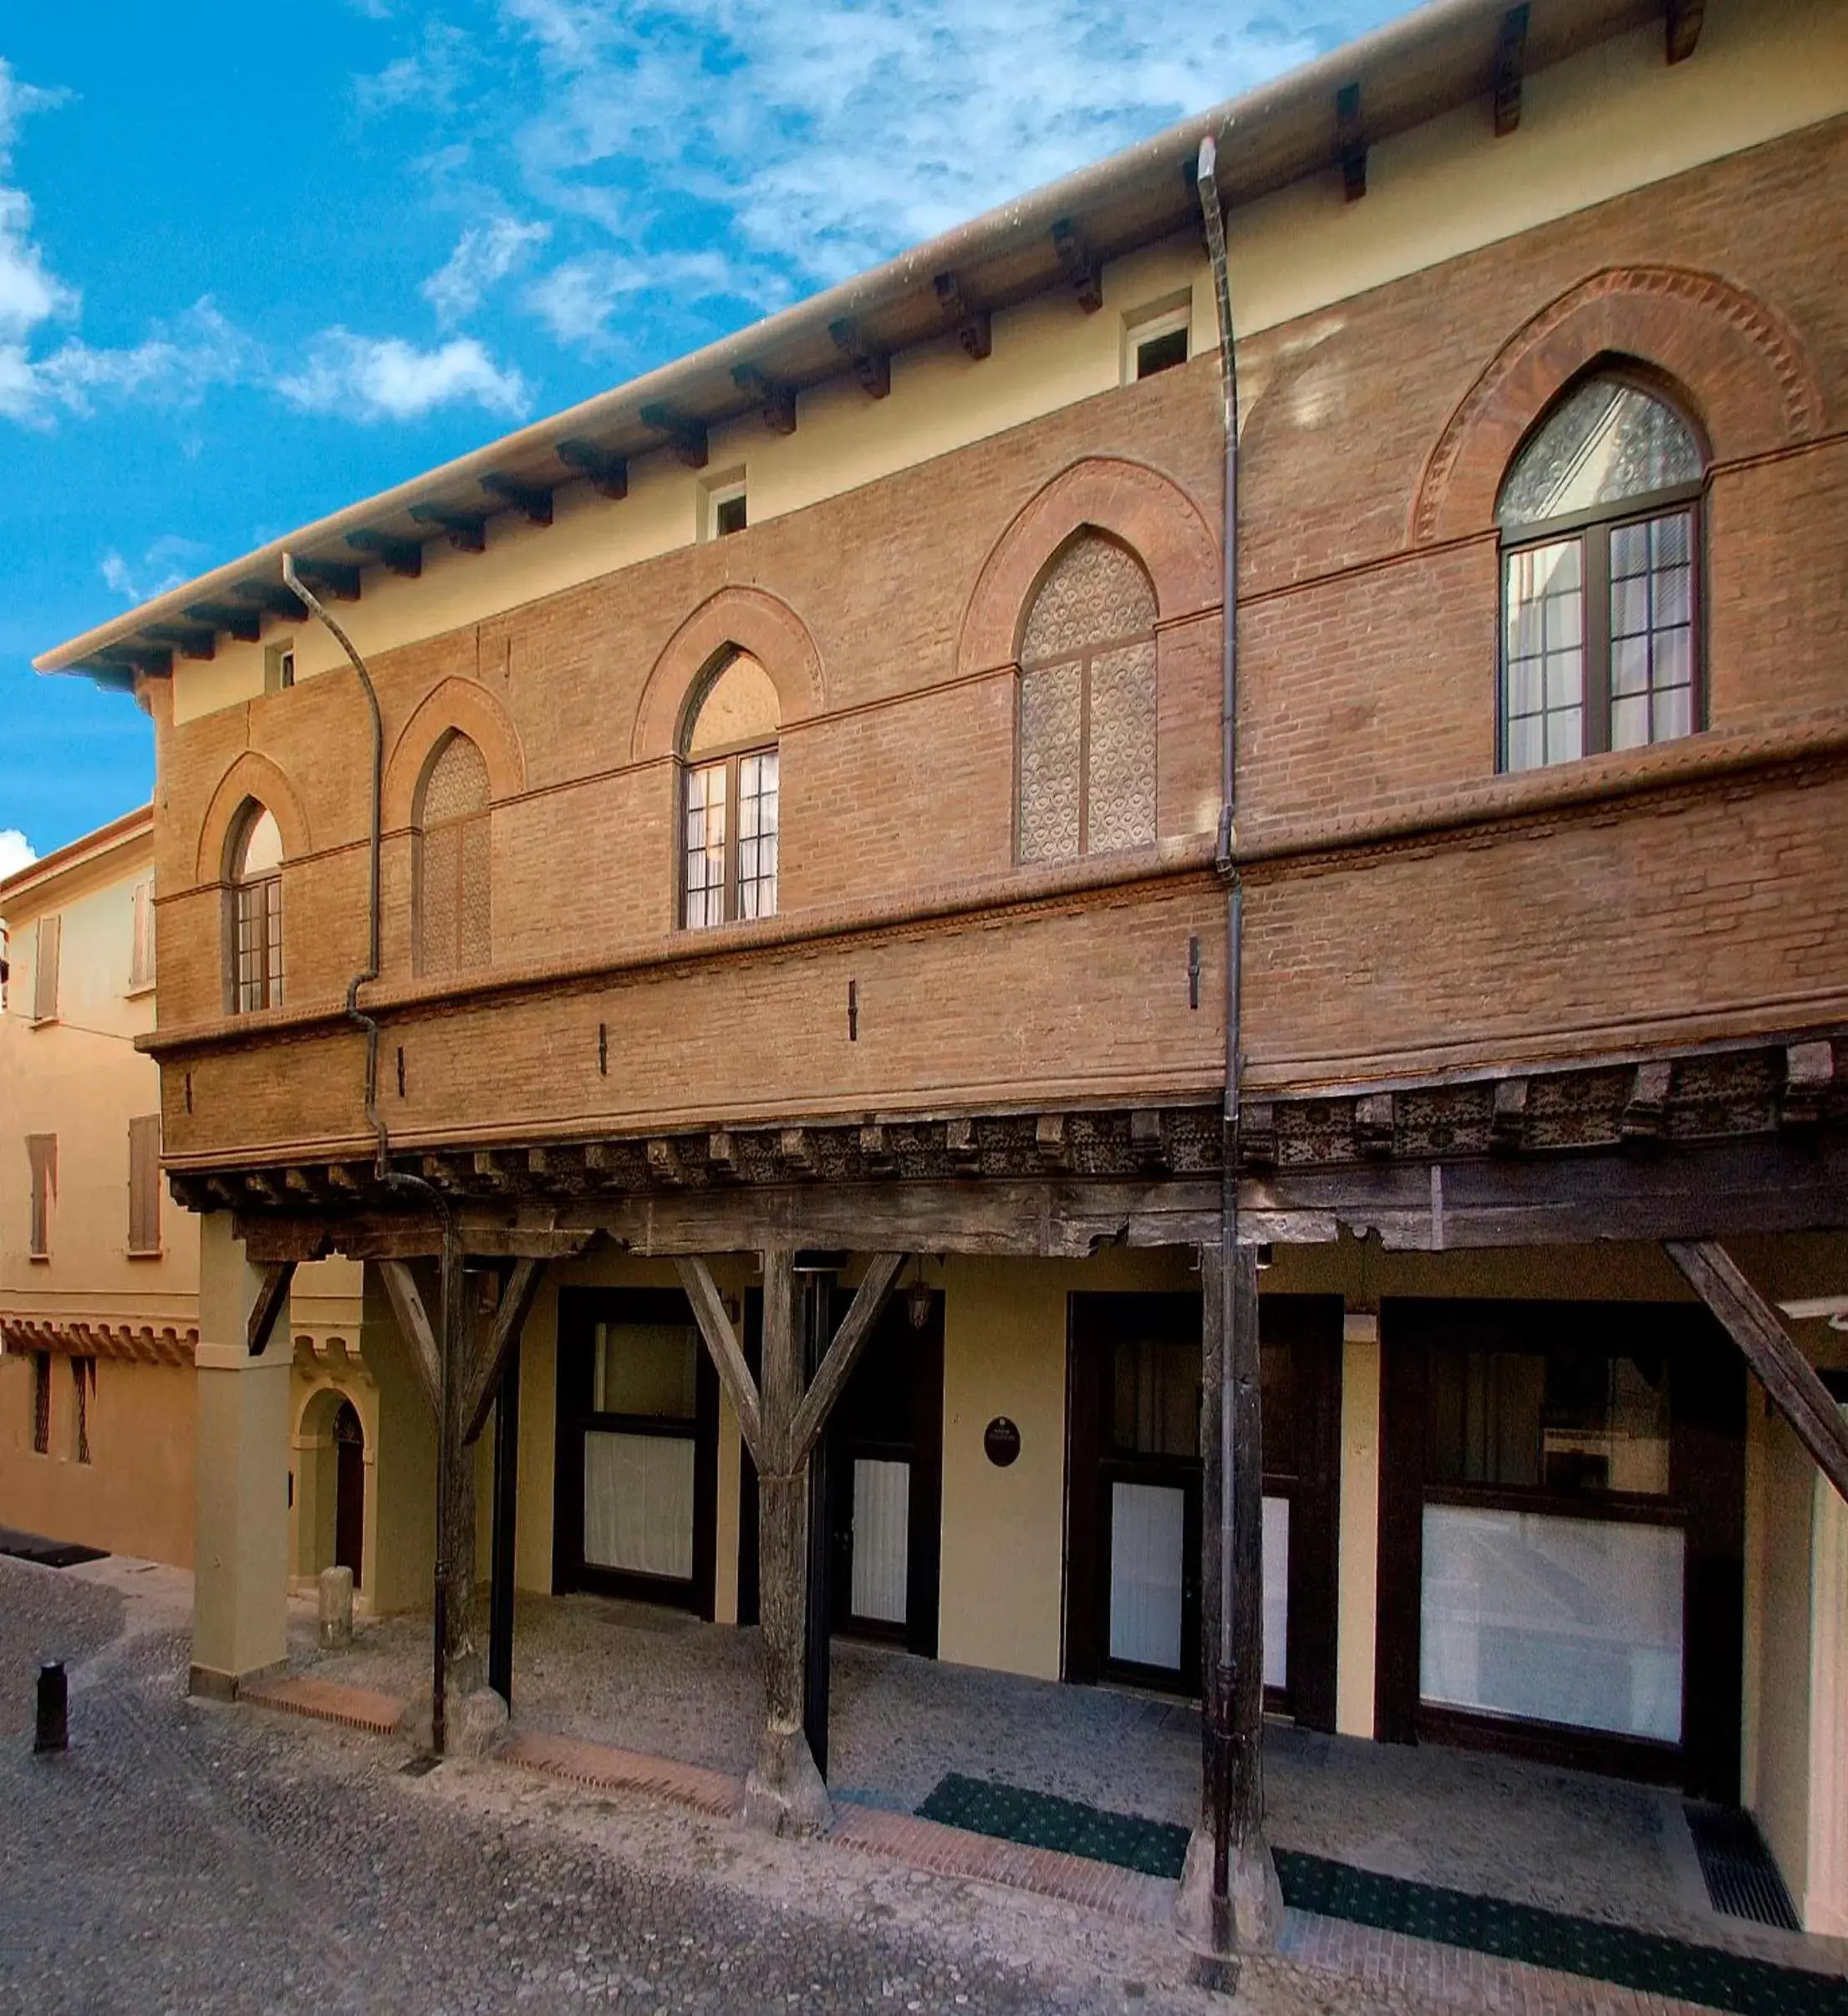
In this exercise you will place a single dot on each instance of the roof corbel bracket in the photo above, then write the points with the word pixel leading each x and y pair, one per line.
pixel 273 600
pixel 1350 142
pixel 1683 27
pixel 973 330
pixel 403 556
pixel 776 403
pixel 329 578
pixel 200 644
pixel 607 474
pixel 686 437
pixel 872 366
pixel 245 625
pixel 467 534
pixel 1511 61
pixel 534 504
pixel 1081 268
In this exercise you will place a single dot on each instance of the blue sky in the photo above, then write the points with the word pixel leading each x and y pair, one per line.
pixel 246 278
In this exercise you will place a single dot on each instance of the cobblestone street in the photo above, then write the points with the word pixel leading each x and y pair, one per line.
pixel 186 1857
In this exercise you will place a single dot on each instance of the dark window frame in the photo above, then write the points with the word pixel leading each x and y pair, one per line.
pixel 41 1403
pixel 1592 528
pixel 730 761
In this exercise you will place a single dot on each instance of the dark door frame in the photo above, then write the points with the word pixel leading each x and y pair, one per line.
pixel 349 1491
pixel 1308 1477
pixel 579 1310
pixel 1706 1499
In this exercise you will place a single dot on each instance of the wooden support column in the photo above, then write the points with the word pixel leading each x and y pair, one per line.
pixel 1794 1385
pixel 784 1792
pixel 1230 1900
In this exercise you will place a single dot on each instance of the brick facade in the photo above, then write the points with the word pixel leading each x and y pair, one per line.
pixel 1409 910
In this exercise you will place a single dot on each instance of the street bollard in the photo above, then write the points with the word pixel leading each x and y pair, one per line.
pixel 53 1708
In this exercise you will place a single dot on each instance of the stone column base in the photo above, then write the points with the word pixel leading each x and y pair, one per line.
pixel 473 1722
pixel 1252 1915
pixel 784 1793
pixel 207 1684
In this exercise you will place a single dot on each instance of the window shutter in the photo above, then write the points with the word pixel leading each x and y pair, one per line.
pixel 144 1184
pixel 44 978
pixel 141 961
pixel 42 1153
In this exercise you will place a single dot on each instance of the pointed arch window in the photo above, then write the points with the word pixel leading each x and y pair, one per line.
pixel 729 810
pixel 256 911
pixel 1600 519
pixel 453 904
pixel 1087 706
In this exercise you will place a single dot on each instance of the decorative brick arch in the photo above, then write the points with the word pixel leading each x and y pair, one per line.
pixel 461 705
pixel 1149 514
pixel 1739 365
pixel 735 619
pixel 252 776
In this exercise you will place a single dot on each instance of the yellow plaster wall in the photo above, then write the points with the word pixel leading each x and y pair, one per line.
pixel 134 1495
pixel 1779 1485
pixel 1615 119
pixel 1357 1574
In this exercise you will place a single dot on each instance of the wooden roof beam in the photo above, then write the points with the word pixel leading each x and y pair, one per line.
pixel 246 625
pixel 1682 26
pixel 466 531
pixel 1351 142
pixel 1510 62
pixel 330 578
pixel 1080 265
pixel 686 437
pixel 775 402
pixel 532 503
pixel 607 474
pixel 872 366
pixel 404 558
pixel 975 330
pixel 200 644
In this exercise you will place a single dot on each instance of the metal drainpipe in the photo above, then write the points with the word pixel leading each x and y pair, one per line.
pixel 386 1177
pixel 1220 1706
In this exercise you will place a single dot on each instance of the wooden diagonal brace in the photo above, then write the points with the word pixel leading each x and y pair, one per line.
pixel 407 1305
pixel 843 1351
pixel 272 1300
pixel 1789 1379
pixel 709 1312
pixel 509 1319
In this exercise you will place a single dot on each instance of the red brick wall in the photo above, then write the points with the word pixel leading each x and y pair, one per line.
pixel 1375 436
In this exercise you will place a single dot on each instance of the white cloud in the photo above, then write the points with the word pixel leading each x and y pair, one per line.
pixel 578 300
pixel 368 377
pixel 431 76
pixel 168 563
pixel 174 367
pixel 16 851
pixel 484 255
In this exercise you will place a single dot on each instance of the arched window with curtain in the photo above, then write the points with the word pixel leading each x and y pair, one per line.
pixel 454 899
pixel 256 910
pixel 728 822
pixel 1087 706
pixel 1599 520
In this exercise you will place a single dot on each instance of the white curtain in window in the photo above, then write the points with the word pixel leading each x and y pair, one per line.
pixel 882 1539
pixel 638 1504
pixel 1147 1541
pixel 1276 1591
pixel 1576 1621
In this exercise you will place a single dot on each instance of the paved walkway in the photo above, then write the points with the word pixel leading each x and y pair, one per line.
pixel 660 1683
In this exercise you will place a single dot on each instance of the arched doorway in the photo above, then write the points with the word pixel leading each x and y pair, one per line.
pixel 350 1490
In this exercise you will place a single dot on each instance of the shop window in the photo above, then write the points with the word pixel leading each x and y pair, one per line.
pixel 1569 1421
pixel 455 897
pixel 1086 782
pixel 1600 518
pixel 729 798
pixel 257 912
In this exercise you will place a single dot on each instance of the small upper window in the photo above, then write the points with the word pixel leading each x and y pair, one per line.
pixel 44 970
pixel 141 942
pixel 723 507
pixel 1600 518
pixel 1157 342
pixel 257 913
pixel 730 810
pixel 278 667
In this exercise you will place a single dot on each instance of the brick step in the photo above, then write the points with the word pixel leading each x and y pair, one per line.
pixel 353 1707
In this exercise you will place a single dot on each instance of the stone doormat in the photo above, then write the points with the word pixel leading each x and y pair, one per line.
pixel 1674 1969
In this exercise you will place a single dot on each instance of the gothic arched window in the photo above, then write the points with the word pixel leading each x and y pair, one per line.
pixel 454 903
pixel 1087 706
pixel 1600 518
pixel 728 823
pixel 256 910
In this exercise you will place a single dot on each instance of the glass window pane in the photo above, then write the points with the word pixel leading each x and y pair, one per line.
pixel 1567 1419
pixel 1674 714
pixel 1148 1544
pixel 1572 1620
pixel 1156 1409
pixel 1565 736
pixel 1651 636
pixel 638 1504
pixel 645 1369
pixel 1629 720
pixel 706 844
pixel 1629 665
pixel 757 835
pixel 1526 744
pixel 1545 671
pixel 1603 443
pixel 1276 1589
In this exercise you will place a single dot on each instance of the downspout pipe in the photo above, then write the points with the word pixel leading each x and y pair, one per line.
pixel 387 1177
pixel 1221 1703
